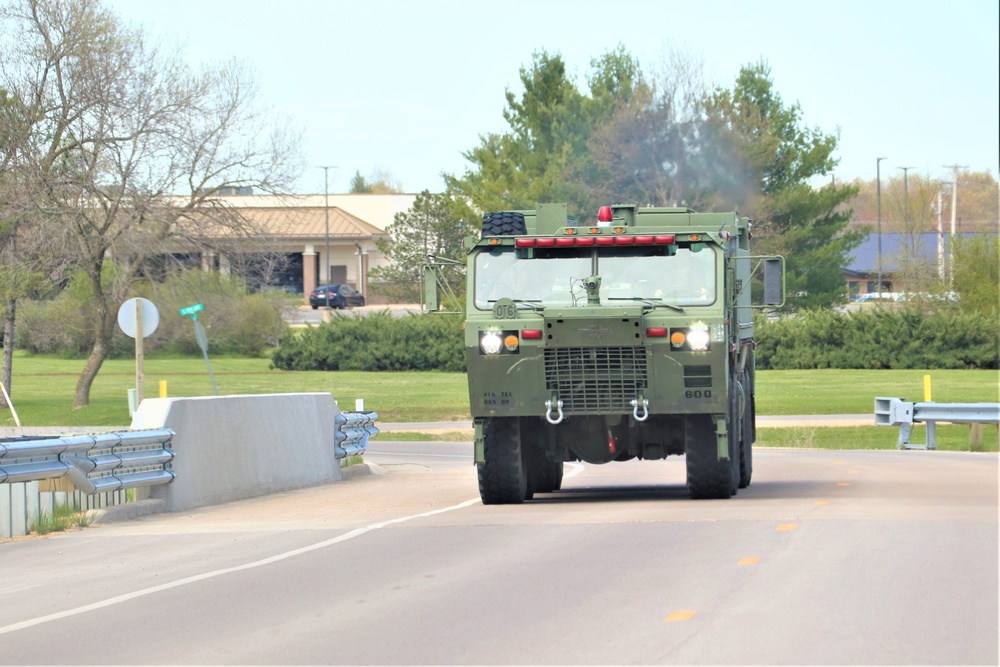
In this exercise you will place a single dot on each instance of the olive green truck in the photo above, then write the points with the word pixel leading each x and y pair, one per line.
pixel 631 338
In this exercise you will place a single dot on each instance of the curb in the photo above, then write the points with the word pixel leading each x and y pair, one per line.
pixel 128 510
pixel 361 470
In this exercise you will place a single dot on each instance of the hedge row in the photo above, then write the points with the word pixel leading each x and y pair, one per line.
pixel 375 342
pixel 879 338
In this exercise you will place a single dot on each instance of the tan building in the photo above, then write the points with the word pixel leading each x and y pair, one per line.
pixel 327 241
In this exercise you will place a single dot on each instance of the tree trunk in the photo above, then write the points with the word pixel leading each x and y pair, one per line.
pixel 8 348
pixel 103 329
pixel 97 356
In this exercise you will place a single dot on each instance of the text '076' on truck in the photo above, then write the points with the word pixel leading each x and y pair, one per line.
pixel 629 339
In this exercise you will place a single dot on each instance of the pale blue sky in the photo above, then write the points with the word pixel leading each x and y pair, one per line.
pixel 409 86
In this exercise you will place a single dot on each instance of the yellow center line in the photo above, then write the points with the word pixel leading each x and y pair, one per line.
pixel 788 526
pixel 680 616
pixel 749 561
pixel 843 483
pixel 822 502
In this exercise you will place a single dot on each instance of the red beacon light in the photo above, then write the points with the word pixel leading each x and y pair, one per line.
pixel 604 214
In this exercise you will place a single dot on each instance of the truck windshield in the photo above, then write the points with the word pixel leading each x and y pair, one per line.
pixel 554 277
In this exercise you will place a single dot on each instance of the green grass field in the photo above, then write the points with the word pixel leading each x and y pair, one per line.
pixel 42 392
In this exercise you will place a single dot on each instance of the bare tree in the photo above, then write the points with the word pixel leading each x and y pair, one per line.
pixel 128 148
pixel 660 147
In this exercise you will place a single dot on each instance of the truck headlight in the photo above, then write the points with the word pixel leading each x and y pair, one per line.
pixel 698 337
pixel 490 342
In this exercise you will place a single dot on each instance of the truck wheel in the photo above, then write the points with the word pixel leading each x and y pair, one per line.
pixel 503 223
pixel 737 430
pixel 746 444
pixel 707 476
pixel 502 478
pixel 546 475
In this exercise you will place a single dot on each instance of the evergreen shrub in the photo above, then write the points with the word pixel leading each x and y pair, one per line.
pixel 375 342
pixel 878 338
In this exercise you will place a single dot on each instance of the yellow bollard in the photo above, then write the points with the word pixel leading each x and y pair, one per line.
pixel 927 389
pixel 163 388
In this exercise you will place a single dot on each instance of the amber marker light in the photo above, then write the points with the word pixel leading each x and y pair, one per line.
pixel 677 338
pixel 510 342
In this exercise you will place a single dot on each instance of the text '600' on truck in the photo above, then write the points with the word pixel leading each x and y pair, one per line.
pixel 632 338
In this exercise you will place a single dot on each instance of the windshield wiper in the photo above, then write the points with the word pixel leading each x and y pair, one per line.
pixel 652 302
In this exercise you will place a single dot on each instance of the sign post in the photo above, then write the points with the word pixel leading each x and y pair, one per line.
pixel 201 336
pixel 138 318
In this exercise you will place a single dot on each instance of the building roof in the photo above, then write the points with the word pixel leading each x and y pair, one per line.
pixel 376 209
pixel 309 223
pixel 898 250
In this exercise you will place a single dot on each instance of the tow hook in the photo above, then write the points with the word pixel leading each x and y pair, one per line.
pixel 548 411
pixel 636 402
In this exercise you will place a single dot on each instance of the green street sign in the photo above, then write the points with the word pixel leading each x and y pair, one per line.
pixel 191 311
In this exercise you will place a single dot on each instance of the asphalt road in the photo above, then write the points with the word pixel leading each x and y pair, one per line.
pixel 853 557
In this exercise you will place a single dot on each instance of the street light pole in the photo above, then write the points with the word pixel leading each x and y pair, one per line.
pixel 326 221
pixel 878 197
pixel 906 199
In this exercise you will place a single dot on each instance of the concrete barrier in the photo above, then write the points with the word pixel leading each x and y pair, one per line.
pixel 233 447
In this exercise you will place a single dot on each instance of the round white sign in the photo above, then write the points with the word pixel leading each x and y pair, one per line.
pixel 127 318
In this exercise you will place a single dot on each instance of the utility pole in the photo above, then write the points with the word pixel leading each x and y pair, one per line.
pixel 954 212
pixel 878 198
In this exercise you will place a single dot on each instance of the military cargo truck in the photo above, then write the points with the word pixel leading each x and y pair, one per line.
pixel 628 339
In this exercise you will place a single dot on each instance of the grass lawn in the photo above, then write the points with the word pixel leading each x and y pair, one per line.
pixel 43 394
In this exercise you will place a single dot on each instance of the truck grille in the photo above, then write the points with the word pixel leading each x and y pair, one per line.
pixel 595 379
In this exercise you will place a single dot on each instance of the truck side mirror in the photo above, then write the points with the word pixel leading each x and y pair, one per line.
pixel 774 281
pixel 432 299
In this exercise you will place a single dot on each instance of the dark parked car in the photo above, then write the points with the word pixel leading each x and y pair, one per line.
pixel 335 296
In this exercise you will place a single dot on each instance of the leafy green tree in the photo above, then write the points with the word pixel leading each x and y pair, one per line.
pixel 805 224
pixel 976 277
pixel 544 156
pixel 434 227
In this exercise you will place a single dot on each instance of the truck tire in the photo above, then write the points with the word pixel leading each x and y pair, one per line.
pixel 707 476
pixel 746 443
pixel 738 429
pixel 502 476
pixel 546 475
pixel 503 223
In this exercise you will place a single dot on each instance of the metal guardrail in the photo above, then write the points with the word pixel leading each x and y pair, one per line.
pixel 104 462
pixel 902 413
pixel 352 431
